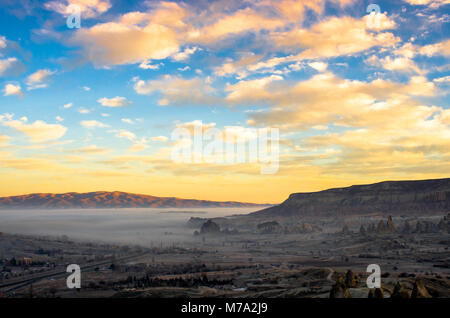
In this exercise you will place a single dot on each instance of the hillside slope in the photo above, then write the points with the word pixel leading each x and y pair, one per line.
pixel 102 199
pixel 389 197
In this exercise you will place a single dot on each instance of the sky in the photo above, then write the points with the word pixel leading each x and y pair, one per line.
pixel 357 97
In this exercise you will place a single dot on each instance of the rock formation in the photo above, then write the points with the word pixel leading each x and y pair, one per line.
pixel 406 227
pixel 302 228
pixel 346 230
pixel 381 228
pixel 362 230
pixel 390 198
pixel 375 293
pixel 419 290
pixel 390 227
pixel 270 227
pixel 444 224
pixel 400 291
pixel 350 279
pixel 426 227
pixel 339 289
pixel 209 227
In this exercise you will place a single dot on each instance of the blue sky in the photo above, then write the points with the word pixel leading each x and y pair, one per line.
pixel 356 100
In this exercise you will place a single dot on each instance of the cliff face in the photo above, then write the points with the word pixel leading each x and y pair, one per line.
pixel 116 199
pixel 389 197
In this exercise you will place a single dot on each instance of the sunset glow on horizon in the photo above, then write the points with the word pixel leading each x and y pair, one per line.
pixel 356 98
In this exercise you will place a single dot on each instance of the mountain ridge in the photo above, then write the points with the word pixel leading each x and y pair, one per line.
pixel 108 199
pixel 387 197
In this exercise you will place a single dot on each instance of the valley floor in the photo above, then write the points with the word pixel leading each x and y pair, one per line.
pixel 241 265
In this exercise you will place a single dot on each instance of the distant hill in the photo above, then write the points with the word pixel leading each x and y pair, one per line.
pixel 389 197
pixel 101 199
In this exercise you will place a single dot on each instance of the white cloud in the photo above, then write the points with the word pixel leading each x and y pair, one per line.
pixel 335 36
pixel 431 3
pixel 355 103
pixel 239 67
pixel 91 150
pixel 399 64
pixel 38 79
pixel 445 79
pixel 93 124
pixel 239 22
pixel 84 111
pixel 160 138
pixel 240 91
pixel 88 8
pixel 127 120
pixel 114 102
pixel 147 66
pixel 7 64
pixel 4 139
pixel 138 146
pixel 126 134
pixel 177 91
pixel 319 66
pixel 2 42
pixel 38 131
pixel 59 118
pixel 192 125
pixel 11 89
pixel 184 55
pixel 68 105
pixel 440 48
pixel 134 37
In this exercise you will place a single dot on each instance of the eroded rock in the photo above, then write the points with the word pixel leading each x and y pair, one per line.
pixel 339 289
pixel 419 290
pixel 210 227
pixel 376 293
pixel 400 291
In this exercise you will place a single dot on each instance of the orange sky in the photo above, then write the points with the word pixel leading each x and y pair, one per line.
pixel 357 98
